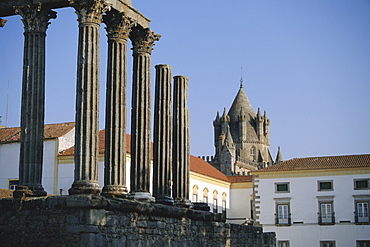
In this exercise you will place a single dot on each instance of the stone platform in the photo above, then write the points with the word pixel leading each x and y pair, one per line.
pixel 86 220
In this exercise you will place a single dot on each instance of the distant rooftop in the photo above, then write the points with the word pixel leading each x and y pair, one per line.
pixel 326 162
pixel 51 131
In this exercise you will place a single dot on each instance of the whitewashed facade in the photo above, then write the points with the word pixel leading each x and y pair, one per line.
pixel 315 207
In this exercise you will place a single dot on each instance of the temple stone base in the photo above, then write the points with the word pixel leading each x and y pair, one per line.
pixel 87 220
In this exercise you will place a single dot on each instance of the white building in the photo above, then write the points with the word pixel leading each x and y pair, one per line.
pixel 320 201
pixel 207 184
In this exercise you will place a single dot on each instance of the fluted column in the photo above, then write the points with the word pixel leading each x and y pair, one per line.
pixel 181 143
pixel 162 165
pixel 118 27
pixel 35 20
pixel 142 41
pixel 89 14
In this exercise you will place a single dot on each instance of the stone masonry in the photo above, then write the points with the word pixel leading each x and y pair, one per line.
pixel 88 220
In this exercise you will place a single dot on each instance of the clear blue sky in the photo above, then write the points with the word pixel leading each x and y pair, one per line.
pixel 307 63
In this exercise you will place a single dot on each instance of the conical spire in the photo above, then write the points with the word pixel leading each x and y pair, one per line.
pixel 279 157
pixel 241 101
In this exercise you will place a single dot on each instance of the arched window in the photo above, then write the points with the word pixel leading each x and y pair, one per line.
pixel 205 195
pixel 224 196
pixel 215 202
pixel 195 193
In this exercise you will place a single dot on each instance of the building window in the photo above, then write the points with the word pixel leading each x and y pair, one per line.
pixel 205 195
pixel 281 187
pixel 224 203
pixel 13 183
pixel 215 206
pixel 362 184
pixel 326 214
pixel 327 243
pixel 195 193
pixel 325 185
pixel 283 243
pixel 283 214
pixel 363 243
pixel 362 212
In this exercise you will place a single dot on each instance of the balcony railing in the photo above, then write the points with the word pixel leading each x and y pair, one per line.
pixel 283 221
pixel 362 218
pixel 326 219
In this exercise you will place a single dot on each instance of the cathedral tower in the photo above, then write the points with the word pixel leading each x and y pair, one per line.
pixel 242 138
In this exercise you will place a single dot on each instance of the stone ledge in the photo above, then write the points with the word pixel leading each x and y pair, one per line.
pixel 109 204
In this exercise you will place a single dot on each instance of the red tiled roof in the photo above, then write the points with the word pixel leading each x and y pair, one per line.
pixel 240 179
pixel 6 193
pixel 200 166
pixel 196 164
pixel 50 131
pixel 327 162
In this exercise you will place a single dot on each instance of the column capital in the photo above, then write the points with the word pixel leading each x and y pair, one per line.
pixel 118 25
pixel 143 40
pixel 35 18
pixel 90 11
pixel 2 22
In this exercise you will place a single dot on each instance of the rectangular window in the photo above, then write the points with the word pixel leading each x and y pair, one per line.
pixel 326 215
pixel 205 199
pixel 281 187
pixel 327 243
pixel 362 184
pixel 362 243
pixel 223 206
pixel 283 243
pixel 13 183
pixel 325 185
pixel 215 206
pixel 195 197
pixel 362 211
pixel 283 214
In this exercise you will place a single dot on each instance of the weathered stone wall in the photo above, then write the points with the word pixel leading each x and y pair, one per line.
pixel 96 221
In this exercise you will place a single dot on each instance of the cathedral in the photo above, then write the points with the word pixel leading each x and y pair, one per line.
pixel 242 138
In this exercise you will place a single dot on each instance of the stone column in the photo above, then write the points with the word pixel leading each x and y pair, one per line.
pixel 181 143
pixel 142 41
pixel 35 20
pixel 162 170
pixel 89 14
pixel 118 27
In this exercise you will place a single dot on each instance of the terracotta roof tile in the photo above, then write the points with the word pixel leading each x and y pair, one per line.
pixel 71 150
pixel 327 162
pixel 6 193
pixel 196 164
pixel 50 131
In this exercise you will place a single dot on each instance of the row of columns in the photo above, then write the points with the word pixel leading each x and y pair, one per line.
pixel 170 168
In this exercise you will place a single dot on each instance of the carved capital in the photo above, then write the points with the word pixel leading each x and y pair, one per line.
pixel 35 17
pixel 118 25
pixel 2 22
pixel 143 40
pixel 90 10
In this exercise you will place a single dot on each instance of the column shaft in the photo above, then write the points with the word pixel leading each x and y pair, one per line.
pixel 87 97
pixel 35 20
pixel 142 40
pixel 115 122
pixel 162 165
pixel 181 140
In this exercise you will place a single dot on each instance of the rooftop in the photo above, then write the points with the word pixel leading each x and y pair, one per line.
pixel 51 131
pixel 325 162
